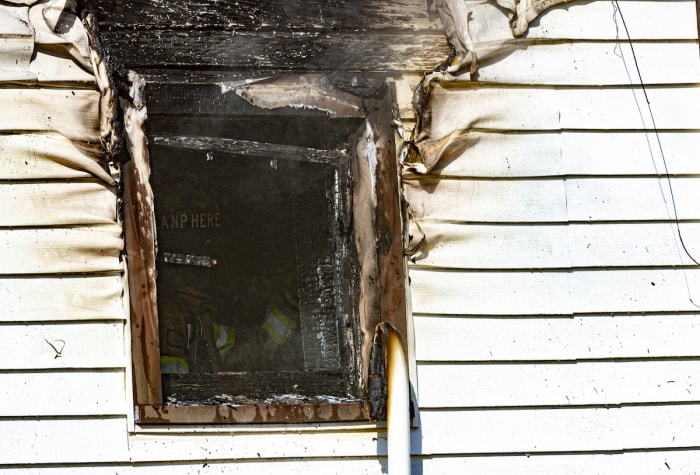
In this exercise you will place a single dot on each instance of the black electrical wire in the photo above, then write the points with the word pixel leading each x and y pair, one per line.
pixel 658 138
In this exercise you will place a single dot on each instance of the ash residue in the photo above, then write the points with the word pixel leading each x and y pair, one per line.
pixel 178 399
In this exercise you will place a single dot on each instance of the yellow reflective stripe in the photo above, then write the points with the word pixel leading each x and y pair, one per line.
pixel 173 365
pixel 225 337
pixel 277 325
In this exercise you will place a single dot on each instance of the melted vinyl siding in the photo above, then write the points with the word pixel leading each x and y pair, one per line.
pixel 555 311
pixel 62 320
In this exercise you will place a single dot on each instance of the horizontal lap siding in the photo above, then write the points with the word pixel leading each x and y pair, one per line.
pixel 594 63
pixel 307 466
pixel 554 200
pixel 84 249
pixel 525 154
pixel 62 322
pixel 555 308
pixel 554 293
pixel 482 339
pixel 568 108
pixel 557 246
pixel 49 156
pixel 640 463
pixel 559 429
pixel 273 444
pixel 558 384
pixel 90 345
pixel 61 394
pixel 47 298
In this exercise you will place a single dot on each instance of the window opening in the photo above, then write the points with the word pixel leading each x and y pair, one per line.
pixel 251 252
pixel 267 296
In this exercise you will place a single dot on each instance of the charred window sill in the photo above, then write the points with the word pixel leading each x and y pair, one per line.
pixel 253 413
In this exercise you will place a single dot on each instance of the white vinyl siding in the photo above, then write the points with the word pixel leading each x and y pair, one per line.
pixel 555 311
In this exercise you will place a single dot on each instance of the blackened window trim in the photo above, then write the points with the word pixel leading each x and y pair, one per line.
pixel 383 292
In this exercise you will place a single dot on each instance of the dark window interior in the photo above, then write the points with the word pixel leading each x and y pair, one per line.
pixel 256 264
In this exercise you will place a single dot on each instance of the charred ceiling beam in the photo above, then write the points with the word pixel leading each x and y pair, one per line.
pixel 281 51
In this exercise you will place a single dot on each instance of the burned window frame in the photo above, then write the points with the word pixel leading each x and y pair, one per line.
pixel 378 233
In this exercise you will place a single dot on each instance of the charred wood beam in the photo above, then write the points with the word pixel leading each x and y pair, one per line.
pixel 140 251
pixel 282 51
pixel 301 131
pixel 250 149
pixel 360 15
pixel 203 388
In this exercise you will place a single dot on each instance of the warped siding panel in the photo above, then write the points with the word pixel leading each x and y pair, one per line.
pixel 552 293
pixel 21 63
pixel 469 339
pixel 558 430
pixel 72 112
pixel 525 108
pixel 16 44
pixel 15 56
pixel 65 440
pixel 483 200
pixel 58 298
pixel 493 155
pixel 64 250
pixel 62 394
pixel 497 108
pixel 518 385
pixel 14 21
pixel 54 71
pixel 63 387
pixel 48 156
pixel 596 64
pixel 550 200
pixel 289 444
pixel 638 463
pixel 57 204
pixel 473 246
pixel 460 246
pixel 86 345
